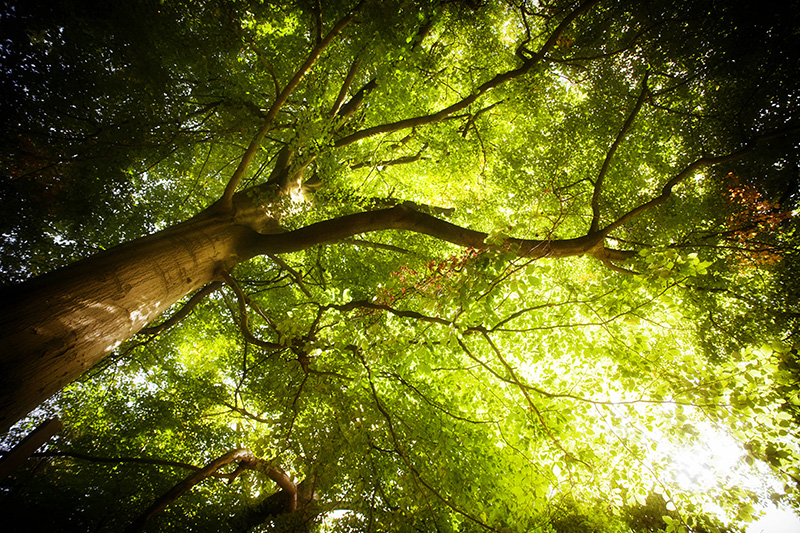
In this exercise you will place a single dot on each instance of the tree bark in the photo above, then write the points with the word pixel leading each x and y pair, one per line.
pixel 56 326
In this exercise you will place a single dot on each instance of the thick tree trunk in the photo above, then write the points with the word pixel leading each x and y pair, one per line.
pixel 55 327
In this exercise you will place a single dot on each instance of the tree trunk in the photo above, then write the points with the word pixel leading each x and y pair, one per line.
pixel 56 326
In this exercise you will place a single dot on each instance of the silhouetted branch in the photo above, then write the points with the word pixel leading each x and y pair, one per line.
pixel 184 311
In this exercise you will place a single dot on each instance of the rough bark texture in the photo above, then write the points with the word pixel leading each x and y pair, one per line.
pixel 57 326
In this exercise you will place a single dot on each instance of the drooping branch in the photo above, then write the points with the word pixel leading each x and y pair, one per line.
pixel 598 183
pixel 433 403
pixel 247 414
pixel 619 269
pixel 226 200
pixel 515 379
pixel 416 476
pixel 243 319
pixel 184 311
pixel 482 89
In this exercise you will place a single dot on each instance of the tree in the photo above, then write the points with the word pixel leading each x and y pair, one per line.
pixel 578 216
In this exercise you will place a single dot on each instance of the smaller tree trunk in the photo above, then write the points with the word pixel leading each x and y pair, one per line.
pixel 32 442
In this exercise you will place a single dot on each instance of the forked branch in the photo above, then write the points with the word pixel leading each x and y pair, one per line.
pixel 243 319
pixel 227 196
pixel 705 161
pixel 598 183
pixel 246 461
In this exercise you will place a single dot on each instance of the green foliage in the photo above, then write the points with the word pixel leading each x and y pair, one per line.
pixel 415 384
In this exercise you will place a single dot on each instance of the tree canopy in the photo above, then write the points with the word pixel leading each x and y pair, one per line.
pixel 501 265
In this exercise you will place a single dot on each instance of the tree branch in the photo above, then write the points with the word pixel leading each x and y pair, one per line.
pixel 184 486
pixel 666 190
pixel 134 460
pixel 405 160
pixel 243 300
pixel 292 272
pixel 418 480
pixel 477 93
pixel 247 414
pixel 247 461
pixel 346 111
pixel 598 183
pixel 378 246
pixel 365 304
pixel 184 311
pixel 403 217
pixel 226 201
pixel 348 81
pixel 516 380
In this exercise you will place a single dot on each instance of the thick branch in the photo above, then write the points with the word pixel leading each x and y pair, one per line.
pixel 184 486
pixel 247 461
pixel 404 218
pixel 354 103
pixel 285 482
pixel 477 93
pixel 227 196
pixel 598 183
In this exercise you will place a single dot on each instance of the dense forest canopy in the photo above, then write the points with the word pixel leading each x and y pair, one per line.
pixel 400 265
